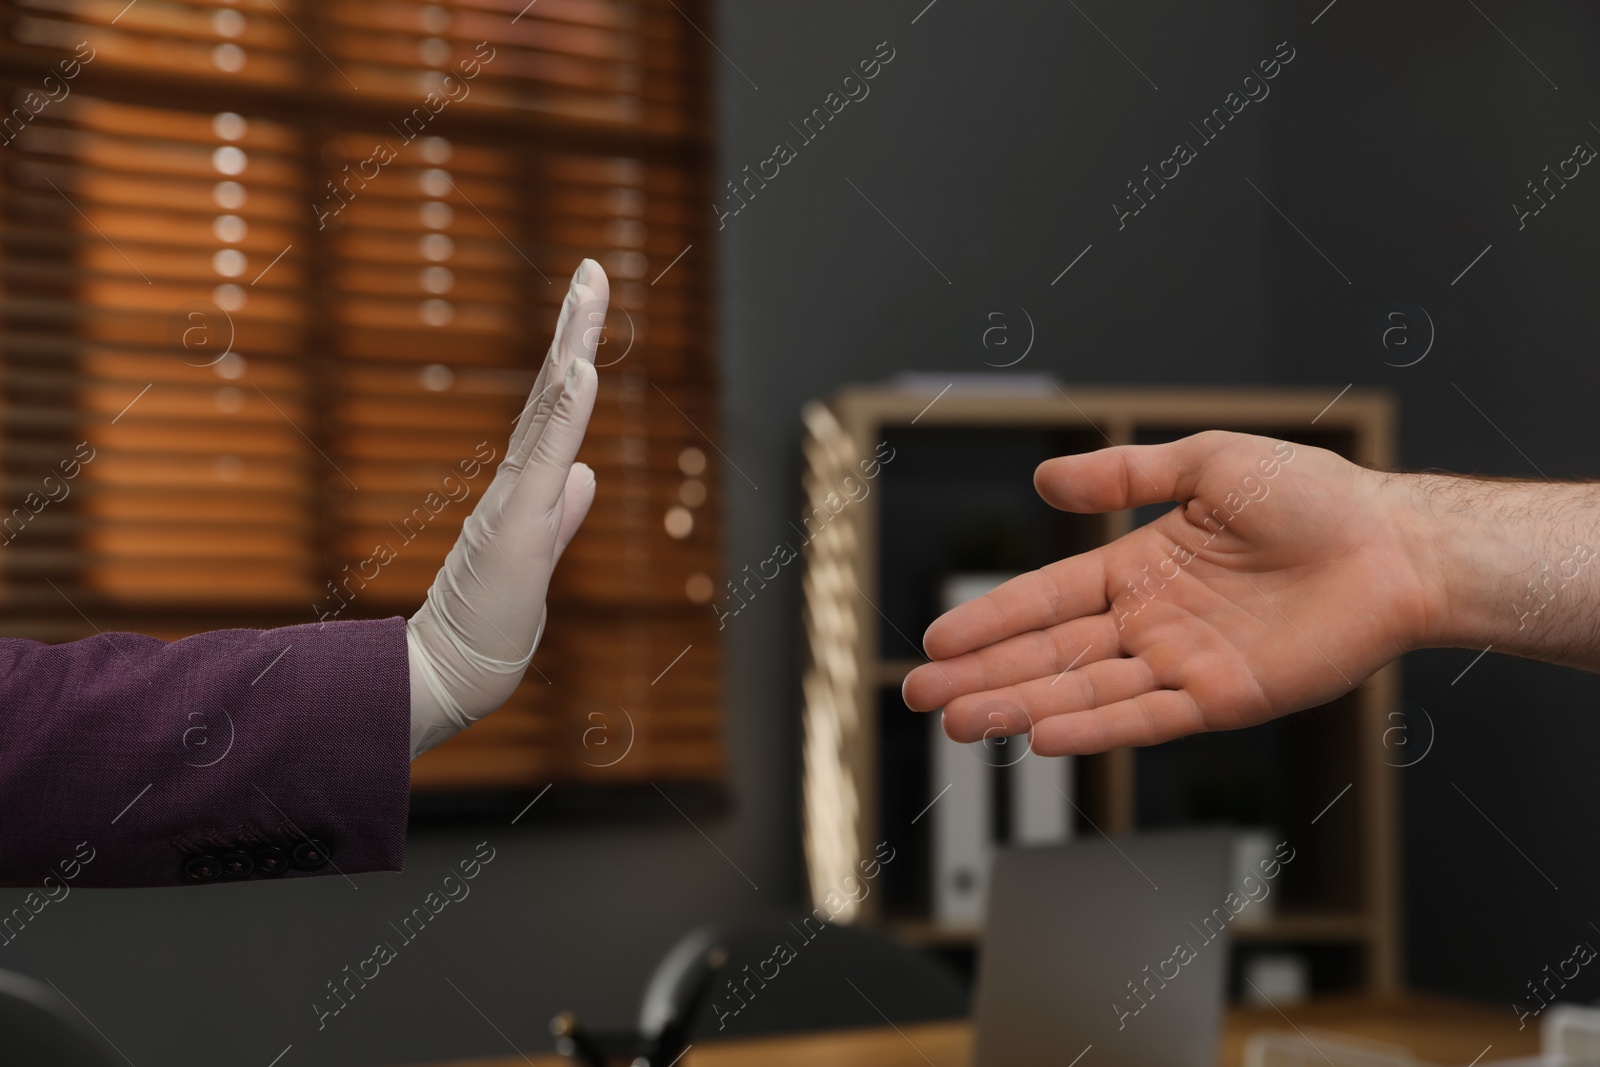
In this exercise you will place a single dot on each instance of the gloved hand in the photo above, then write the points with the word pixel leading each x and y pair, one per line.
pixel 475 635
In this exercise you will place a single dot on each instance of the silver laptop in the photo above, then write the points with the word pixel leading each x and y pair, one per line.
pixel 1113 950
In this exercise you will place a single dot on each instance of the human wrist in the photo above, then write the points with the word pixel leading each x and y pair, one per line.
pixel 1400 513
pixel 1503 563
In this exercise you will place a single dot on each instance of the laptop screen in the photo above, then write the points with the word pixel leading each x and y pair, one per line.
pixel 1113 949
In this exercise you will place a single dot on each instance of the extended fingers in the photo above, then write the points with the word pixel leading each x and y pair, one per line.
pixel 1018 708
pixel 1058 593
pixel 574 344
pixel 1146 719
pixel 1110 479
pixel 552 367
pixel 577 333
pixel 1042 653
pixel 549 462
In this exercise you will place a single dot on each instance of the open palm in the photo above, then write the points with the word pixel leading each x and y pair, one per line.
pixel 1279 582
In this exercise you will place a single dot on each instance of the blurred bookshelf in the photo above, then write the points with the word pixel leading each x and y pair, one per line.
pixel 873 568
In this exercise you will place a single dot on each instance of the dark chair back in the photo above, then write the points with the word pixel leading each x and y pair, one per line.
pixel 785 975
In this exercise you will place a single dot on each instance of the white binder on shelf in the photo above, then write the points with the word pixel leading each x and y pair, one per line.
pixel 963 819
pixel 1040 806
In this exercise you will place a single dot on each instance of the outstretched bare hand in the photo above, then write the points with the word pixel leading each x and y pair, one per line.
pixel 1280 581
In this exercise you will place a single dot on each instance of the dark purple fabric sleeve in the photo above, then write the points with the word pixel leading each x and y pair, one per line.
pixel 234 755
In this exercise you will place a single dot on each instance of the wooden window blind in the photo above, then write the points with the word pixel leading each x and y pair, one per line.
pixel 275 279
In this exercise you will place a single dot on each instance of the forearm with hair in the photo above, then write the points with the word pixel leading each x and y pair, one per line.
pixel 1512 564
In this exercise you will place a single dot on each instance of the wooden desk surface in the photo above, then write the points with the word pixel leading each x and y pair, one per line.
pixel 1436 1029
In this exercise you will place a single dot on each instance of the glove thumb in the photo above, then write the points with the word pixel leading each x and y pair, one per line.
pixel 576 499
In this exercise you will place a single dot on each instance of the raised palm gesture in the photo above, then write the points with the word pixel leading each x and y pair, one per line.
pixel 1283 578
pixel 473 638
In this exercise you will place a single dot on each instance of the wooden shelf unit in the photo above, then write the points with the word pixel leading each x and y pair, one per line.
pixel 860 645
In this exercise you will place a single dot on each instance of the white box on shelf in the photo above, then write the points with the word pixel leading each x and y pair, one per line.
pixel 1252 851
pixel 1276 979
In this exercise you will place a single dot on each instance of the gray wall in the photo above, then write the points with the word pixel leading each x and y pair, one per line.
pixel 995 141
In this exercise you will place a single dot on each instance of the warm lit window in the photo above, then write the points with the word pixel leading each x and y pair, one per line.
pixel 275 278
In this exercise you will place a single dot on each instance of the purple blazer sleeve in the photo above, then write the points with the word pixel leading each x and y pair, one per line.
pixel 235 755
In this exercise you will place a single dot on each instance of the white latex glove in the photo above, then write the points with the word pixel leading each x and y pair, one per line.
pixel 472 640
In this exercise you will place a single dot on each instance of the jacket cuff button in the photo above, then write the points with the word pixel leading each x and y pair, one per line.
pixel 271 861
pixel 237 864
pixel 310 855
pixel 202 868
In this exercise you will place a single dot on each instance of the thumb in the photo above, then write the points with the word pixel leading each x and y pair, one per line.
pixel 576 499
pixel 1127 476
